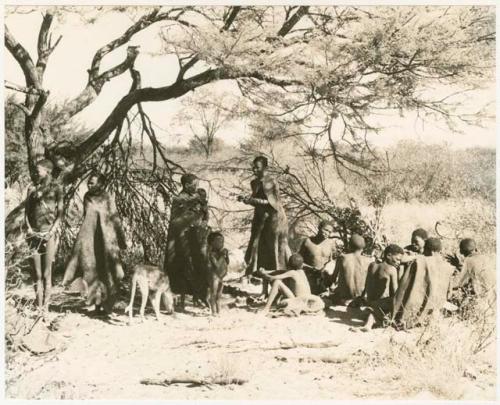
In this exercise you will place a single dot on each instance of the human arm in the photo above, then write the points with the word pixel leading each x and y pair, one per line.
pixel 249 200
pixel 368 279
pixel 27 208
pixel 59 197
pixel 336 271
pixel 266 274
pixel 393 282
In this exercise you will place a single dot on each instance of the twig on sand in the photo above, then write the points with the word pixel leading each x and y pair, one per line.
pixel 193 382
pixel 293 345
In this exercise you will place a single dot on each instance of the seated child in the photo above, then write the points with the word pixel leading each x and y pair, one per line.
pixel 299 294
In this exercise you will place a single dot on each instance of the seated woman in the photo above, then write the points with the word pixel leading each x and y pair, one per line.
pixel 95 253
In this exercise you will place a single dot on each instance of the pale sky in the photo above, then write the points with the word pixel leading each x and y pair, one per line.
pixel 66 76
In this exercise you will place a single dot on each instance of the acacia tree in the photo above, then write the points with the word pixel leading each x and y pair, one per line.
pixel 206 114
pixel 327 69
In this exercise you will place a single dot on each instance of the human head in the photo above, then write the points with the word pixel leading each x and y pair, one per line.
pixel 356 243
pixel 295 262
pixel 325 229
pixel 95 181
pixel 216 240
pixel 44 168
pixel 189 182
pixel 259 166
pixel 432 247
pixel 393 255
pixel 418 238
pixel 467 246
pixel 202 193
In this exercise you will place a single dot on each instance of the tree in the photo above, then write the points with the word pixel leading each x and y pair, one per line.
pixel 206 114
pixel 325 68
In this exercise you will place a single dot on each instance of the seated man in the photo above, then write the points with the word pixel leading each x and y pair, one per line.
pixel 317 251
pixel 381 285
pixel 475 279
pixel 350 272
pixel 298 295
pixel 418 238
pixel 423 289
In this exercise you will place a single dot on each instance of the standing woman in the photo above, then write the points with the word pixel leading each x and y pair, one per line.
pixel 185 253
pixel 95 254
pixel 268 246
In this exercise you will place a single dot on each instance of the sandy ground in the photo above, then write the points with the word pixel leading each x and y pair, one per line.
pixel 309 357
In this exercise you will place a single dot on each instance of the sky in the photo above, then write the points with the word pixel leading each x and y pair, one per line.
pixel 66 76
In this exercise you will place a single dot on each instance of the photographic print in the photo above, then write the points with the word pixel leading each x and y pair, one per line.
pixel 250 202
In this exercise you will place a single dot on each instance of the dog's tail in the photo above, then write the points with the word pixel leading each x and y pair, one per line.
pixel 130 307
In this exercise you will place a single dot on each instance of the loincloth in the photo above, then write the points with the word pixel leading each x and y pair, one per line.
pixel 298 305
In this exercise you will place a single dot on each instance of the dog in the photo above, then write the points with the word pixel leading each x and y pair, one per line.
pixel 218 261
pixel 150 278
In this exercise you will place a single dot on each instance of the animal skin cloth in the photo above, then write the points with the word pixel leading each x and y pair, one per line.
pixel 95 253
pixel 186 250
pixel 422 291
pixel 268 246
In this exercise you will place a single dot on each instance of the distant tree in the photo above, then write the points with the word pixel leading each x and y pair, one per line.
pixel 206 114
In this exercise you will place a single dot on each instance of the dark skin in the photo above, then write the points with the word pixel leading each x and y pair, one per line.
pixel 43 216
pixel 386 276
pixel 259 171
pixel 218 258
pixel 318 250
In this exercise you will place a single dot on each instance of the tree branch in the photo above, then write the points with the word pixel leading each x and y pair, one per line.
pixel 292 21
pixel 231 17
pixel 23 58
pixel 44 46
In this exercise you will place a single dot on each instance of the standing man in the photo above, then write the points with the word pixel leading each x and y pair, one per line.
pixel 317 251
pixel 268 246
pixel 43 216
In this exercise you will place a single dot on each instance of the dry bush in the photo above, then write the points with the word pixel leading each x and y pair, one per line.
pixel 226 371
pixel 442 355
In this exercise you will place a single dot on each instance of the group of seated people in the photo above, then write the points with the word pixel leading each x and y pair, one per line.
pixel 403 287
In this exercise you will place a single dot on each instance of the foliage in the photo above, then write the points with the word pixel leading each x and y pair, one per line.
pixel 16 170
pixel 429 173
pixel 206 114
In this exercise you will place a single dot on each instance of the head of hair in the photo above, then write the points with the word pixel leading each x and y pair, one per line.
pixel 202 192
pixel 216 240
pixel 393 249
pixel 295 262
pixel 188 178
pixel 432 245
pixel 99 176
pixel 420 232
pixel 324 223
pixel 467 245
pixel 262 159
pixel 45 163
pixel 357 242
